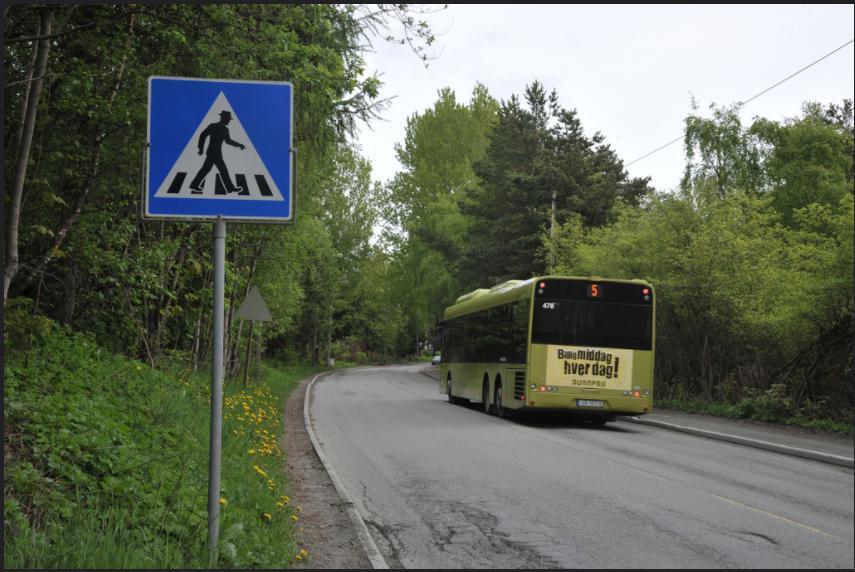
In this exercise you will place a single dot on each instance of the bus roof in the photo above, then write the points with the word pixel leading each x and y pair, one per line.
pixel 512 291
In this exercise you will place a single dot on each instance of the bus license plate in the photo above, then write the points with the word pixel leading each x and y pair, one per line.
pixel 589 403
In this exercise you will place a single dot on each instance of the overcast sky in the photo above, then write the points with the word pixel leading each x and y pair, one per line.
pixel 629 71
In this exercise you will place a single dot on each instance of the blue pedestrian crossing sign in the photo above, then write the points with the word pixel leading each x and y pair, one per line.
pixel 219 148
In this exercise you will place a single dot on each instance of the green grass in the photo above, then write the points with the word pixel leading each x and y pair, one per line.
pixel 759 408
pixel 108 464
pixel 283 378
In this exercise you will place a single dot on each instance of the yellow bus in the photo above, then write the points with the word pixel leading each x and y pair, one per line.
pixel 557 343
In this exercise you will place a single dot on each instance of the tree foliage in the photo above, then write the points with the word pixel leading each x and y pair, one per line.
pixel 537 152
pixel 425 203
pixel 144 288
pixel 752 262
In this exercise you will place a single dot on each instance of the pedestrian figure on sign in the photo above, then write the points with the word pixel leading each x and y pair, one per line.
pixel 214 157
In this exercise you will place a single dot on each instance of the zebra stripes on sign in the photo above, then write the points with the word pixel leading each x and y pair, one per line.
pixel 212 187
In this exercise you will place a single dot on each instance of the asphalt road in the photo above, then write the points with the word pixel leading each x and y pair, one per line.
pixel 446 486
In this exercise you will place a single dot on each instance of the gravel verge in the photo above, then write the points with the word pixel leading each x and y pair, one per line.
pixel 324 528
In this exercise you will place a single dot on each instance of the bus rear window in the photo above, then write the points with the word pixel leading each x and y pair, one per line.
pixel 594 323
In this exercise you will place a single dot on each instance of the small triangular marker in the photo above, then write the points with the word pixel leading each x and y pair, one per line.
pixel 254 307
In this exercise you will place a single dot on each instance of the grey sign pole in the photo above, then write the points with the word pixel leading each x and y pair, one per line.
pixel 216 391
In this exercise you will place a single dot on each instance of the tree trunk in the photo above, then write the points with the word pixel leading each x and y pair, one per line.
pixel 32 103
pixel 315 344
pixel 234 347
pixel 59 236
pixel 29 83
pixel 164 303
pixel 248 354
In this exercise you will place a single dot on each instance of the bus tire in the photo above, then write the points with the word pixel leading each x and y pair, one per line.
pixel 485 395
pixel 497 400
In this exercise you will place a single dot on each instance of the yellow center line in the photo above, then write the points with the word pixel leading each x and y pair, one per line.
pixel 812 529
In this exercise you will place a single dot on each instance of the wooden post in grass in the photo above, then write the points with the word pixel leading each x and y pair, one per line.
pixel 248 350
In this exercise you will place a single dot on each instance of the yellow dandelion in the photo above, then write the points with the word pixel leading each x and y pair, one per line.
pixel 303 552
pixel 299 509
pixel 251 451
pixel 298 558
pixel 223 501
pixel 294 517
pixel 266 516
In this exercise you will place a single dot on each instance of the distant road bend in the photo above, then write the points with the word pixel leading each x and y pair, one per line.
pixel 446 486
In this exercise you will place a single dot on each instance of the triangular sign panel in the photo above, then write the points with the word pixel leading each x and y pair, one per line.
pixel 254 307
pixel 222 170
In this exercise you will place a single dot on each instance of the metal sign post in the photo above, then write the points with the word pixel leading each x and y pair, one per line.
pixel 216 392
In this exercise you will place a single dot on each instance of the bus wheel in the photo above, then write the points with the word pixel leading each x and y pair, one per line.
pixel 485 395
pixel 497 401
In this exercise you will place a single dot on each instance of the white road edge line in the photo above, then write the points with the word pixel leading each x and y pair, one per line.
pixel 785 449
pixel 365 538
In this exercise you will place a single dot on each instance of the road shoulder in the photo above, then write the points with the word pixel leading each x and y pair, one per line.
pixel 325 529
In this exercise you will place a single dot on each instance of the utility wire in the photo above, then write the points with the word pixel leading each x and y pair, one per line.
pixel 739 104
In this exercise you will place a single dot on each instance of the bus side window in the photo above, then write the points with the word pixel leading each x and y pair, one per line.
pixel 519 330
pixel 451 341
pixel 438 337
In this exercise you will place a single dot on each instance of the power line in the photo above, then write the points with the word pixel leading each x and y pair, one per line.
pixel 742 103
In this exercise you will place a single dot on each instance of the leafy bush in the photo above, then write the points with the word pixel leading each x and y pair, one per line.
pixel 21 328
pixel 774 404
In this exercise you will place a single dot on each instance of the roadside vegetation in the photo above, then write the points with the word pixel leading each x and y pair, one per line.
pixel 106 460
pixel 772 406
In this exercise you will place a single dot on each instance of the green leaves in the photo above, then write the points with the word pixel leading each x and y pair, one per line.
pixel 537 154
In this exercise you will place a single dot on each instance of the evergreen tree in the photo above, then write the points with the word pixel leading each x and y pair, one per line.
pixel 537 152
